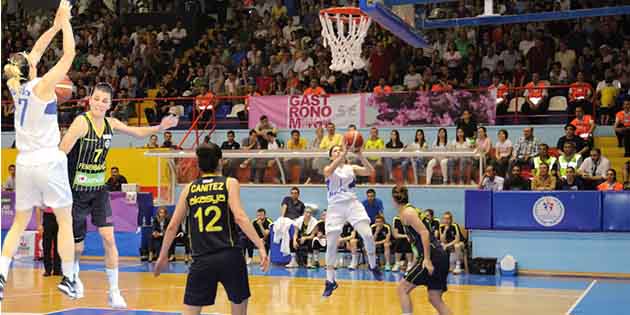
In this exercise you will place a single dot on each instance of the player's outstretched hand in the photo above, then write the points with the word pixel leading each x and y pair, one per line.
pixel 426 263
pixel 160 265
pixel 169 121
pixel 264 262
pixel 63 14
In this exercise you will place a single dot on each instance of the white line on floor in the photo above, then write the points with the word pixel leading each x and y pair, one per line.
pixel 588 289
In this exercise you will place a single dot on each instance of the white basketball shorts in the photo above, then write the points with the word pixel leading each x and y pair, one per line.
pixel 351 211
pixel 41 179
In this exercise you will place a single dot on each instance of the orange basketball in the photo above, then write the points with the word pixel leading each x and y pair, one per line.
pixel 64 90
pixel 353 139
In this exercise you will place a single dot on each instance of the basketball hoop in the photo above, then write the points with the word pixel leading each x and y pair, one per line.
pixel 344 30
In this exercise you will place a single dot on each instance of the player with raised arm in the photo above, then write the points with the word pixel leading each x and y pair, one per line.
pixel 431 266
pixel 344 206
pixel 87 143
pixel 41 169
pixel 212 208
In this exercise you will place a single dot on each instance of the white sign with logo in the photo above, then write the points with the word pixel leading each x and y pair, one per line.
pixel 548 211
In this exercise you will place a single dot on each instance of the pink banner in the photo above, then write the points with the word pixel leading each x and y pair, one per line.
pixel 308 111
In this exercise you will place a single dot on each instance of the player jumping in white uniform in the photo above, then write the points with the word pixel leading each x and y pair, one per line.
pixel 41 168
pixel 343 206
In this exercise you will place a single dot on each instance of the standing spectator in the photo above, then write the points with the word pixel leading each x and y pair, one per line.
pixel 168 140
pixel 593 169
pixel 571 181
pixel 606 92
pixel 229 165
pixel 526 148
pixel 491 181
pixel 440 144
pixel 394 143
pixel 116 180
pixel 178 34
pixel 48 230
pixel 373 205
pixel 544 181
pixel 292 207
pixel 9 184
pixel 570 136
pixel 611 182
pixel 516 181
pixel 502 153
pixel 622 127
pixel 467 124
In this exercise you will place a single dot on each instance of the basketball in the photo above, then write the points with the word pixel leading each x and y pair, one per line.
pixel 64 90
pixel 353 139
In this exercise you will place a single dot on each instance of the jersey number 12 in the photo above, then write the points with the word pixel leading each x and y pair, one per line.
pixel 210 227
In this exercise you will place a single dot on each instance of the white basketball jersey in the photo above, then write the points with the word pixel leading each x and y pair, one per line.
pixel 340 185
pixel 36 124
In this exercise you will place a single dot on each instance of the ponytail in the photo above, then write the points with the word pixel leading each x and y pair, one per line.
pixel 400 194
pixel 14 75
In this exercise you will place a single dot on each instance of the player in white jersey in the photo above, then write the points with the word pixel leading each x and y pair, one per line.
pixel 41 168
pixel 344 206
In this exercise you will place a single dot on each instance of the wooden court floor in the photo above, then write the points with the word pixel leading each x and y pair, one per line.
pixel 29 292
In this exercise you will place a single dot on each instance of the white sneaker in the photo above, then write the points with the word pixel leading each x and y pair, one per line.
pixel 396 267
pixel 292 264
pixel 248 260
pixel 78 287
pixel 116 300
pixel 458 269
pixel 352 267
pixel 339 263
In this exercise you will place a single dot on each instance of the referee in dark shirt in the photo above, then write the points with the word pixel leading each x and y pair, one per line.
pixel 292 207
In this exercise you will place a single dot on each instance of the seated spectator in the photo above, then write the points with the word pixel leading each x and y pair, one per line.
pixel 483 142
pixel 500 91
pixel 257 170
pixel 115 181
pixel 375 143
pixel 467 124
pixel 229 165
pixel 303 239
pixel 319 242
pixel 317 167
pixel 491 181
pixel 584 126
pixel 571 181
pixel 580 94
pixel 434 222
pixel 535 96
pixel 626 175
pixel 502 153
pixel 373 206
pixel 390 163
pixel 412 79
pixel 419 144
pixel 401 245
pixel 331 139
pixel 160 223
pixel 168 140
pixel 526 148
pixel 262 129
pixel 182 238
pixel 440 144
pixel 611 182
pixel 544 180
pixel 568 158
pixel 516 181
pixel 464 164
pixel 261 224
pixel 153 142
pixel 382 233
pixel 382 88
pixel 593 169
pixel 314 88
pixel 544 157
pixel 297 143
pixel 348 241
pixel 622 127
pixel 9 184
pixel 452 240
pixel 580 144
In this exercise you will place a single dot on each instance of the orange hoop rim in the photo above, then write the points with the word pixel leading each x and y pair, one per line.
pixel 353 13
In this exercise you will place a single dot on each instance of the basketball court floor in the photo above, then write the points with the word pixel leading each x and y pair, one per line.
pixel 298 291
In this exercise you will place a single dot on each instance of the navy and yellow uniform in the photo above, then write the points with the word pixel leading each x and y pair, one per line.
pixel 401 245
pixel 265 226
pixel 382 235
pixel 86 168
pixel 417 274
pixel 214 242
pixel 319 228
pixel 347 230
pixel 435 225
pixel 451 233
pixel 307 246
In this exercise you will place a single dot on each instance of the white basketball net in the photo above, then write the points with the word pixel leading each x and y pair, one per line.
pixel 345 33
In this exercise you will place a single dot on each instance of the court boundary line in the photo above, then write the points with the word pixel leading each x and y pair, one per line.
pixel 582 296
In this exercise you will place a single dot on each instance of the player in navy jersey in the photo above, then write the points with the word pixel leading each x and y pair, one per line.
pixel 431 266
pixel 41 170
pixel 212 208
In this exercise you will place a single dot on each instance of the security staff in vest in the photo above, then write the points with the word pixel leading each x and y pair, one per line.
pixel 544 157
pixel 568 158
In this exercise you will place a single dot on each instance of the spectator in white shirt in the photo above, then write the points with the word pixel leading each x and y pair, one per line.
pixel 412 79
pixel 510 56
pixel 232 85
pixel 566 57
pixel 9 184
pixel 490 60
pixel 526 44
pixel 95 58
pixel 491 181
pixel 302 65
pixel 178 34
pixel 163 34
pixel 593 169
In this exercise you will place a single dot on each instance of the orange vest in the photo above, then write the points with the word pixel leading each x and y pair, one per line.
pixel 502 89
pixel 605 186
pixel 624 118
pixel 382 90
pixel 532 91
pixel 315 91
pixel 579 90
pixel 203 101
pixel 582 126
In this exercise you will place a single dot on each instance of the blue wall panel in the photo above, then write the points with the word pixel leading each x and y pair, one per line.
pixel 616 208
pixel 478 209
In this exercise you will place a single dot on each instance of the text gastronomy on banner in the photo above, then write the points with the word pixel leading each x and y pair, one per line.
pixel 308 111
pixel 428 108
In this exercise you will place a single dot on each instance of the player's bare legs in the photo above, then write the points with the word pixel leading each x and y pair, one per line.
pixel 404 289
pixel 435 298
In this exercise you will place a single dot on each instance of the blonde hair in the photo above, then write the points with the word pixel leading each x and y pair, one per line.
pixel 14 74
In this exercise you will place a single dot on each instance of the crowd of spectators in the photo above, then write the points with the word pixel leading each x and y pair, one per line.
pixel 261 50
